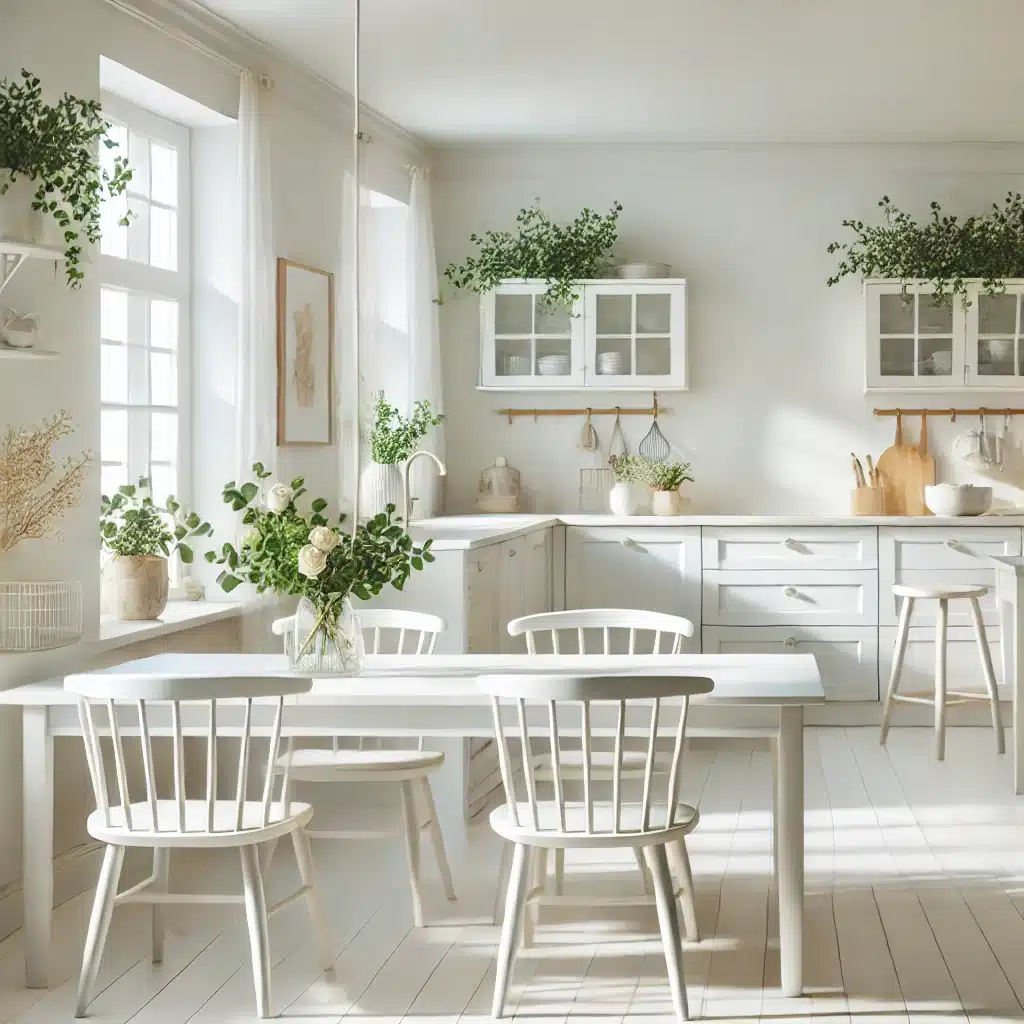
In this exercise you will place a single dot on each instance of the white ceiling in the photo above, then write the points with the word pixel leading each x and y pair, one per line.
pixel 689 70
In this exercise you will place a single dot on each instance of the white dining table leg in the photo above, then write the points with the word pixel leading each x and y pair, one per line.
pixel 37 842
pixel 1010 597
pixel 791 847
pixel 449 787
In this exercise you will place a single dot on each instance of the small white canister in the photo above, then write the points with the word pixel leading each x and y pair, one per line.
pixel 19 330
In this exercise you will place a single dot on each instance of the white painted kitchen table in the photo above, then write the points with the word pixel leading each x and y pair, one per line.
pixel 1010 596
pixel 435 696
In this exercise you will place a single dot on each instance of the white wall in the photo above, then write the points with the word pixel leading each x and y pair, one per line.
pixel 309 132
pixel 777 358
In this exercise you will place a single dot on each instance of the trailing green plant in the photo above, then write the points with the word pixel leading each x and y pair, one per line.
pixel 394 436
pixel 131 523
pixel 943 250
pixel 631 469
pixel 292 554
pixel 57 148
pixel 668 476
pixel 560 254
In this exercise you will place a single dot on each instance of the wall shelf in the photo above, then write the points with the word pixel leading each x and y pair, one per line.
pixel 14 254
pixel 9 352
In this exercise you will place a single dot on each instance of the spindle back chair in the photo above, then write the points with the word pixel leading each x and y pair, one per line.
pixel 138 804
pixel 586 707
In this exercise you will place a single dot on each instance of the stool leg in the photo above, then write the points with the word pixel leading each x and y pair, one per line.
pixel 941 622
pixel 897 665
pixel 990 676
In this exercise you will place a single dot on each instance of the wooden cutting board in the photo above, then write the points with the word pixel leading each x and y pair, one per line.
pixel 922 475
pixel 900 471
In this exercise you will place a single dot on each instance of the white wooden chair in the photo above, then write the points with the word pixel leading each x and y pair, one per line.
pixel 605 631
pixel 163 815
pixel 589 707
pixel 403 632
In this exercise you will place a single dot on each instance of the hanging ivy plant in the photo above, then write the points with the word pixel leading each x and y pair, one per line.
pixel 57 148
pixel 944 250
pixel 560 254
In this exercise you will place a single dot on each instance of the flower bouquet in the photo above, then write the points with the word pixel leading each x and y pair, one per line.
pixel 288 554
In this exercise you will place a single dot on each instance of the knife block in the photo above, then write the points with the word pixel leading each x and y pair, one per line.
pixel 867 501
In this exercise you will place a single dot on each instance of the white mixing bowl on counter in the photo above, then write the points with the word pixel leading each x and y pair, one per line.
pixel 958 499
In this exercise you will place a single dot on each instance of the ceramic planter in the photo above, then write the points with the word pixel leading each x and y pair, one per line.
pixel 666 503
pixel 18 221
pixel 140 586
pixel 380 485
pixel 630 499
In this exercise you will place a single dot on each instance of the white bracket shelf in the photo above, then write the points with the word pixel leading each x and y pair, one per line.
pixel 14 254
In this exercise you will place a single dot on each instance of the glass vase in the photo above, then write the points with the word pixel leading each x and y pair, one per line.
pixel 326 645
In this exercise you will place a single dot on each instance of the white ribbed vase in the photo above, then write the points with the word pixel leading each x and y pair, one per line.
pixel 380 485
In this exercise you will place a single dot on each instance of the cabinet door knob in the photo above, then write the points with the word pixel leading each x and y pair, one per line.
pixel 628 542
pixel 790 641
pixel 790 592
pixel 512 553
pixel 790 543
pixel 954 544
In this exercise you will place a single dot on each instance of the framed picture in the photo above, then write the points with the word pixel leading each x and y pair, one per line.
pixel 305 344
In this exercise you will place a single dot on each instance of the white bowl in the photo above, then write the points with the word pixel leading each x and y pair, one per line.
pixel 958 499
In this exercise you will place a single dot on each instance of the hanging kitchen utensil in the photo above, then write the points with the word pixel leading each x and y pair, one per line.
pixel 920 474
pixel 655 445
pixel 617 445
pixel 588 439
pixel 893 468
pixel 999 447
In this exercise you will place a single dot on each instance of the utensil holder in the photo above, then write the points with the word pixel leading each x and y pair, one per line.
pixel 867 501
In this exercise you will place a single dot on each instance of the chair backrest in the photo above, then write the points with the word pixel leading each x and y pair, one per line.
pixel 125 709
pixel 416 631
pixel 619 628
pixel 556 708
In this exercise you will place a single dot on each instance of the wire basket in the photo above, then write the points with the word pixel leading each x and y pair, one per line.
pixel 40 616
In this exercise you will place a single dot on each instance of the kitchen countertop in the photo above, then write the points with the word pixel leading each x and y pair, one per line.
pixel 474 531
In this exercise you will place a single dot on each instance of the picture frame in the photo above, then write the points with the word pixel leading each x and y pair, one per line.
pixel 305 354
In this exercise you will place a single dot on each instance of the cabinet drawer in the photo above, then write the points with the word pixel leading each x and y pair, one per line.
pixel 769 598
pixel 847 656
pixel 789 547
pixel 963 665
pixel 943 547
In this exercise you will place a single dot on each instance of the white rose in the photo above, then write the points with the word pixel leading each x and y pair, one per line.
pixel 312 561
pixel 249 540
pixel 279 497
pixel 324 539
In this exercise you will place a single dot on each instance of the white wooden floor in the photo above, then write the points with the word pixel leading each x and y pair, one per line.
pixel 915 911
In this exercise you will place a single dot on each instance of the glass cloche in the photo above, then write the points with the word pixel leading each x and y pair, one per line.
pixel 499 488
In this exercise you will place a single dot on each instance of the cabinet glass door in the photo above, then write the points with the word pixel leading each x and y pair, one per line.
pixel 914 339
pixel 529 342
pixel 636 335
pixel 995 348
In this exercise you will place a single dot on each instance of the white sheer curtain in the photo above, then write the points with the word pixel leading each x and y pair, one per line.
pixel 257 344
pixel 424 342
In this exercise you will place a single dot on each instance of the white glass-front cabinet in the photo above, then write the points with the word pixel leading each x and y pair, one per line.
pixel 916 342
pixel 620 335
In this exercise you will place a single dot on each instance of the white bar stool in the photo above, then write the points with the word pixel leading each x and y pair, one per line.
pixel 941 698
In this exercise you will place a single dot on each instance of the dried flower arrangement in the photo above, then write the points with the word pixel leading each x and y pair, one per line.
pixel 30 505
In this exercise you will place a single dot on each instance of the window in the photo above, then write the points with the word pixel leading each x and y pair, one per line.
pixel 144 306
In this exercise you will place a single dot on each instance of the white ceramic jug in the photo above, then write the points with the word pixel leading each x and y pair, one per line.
pixel 20 330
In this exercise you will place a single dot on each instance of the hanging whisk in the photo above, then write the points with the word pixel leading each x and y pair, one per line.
pixel 655 445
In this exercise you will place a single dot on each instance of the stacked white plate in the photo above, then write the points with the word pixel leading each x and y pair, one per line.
pixel 555 365
pixel 612 364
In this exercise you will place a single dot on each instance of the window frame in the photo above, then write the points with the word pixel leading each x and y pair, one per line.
pixel 127 275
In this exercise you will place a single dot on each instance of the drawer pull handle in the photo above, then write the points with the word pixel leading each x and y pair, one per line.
pixel 790 641
pixel 954 544
pixel 790 592
pixel 512 553
pixel 628 542
pixel 791 544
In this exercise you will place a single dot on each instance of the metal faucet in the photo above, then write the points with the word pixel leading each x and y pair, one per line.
pixel 407 503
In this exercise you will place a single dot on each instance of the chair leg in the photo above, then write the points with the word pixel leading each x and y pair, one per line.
pixel 941 623
pixel 538 881
pixel 437 840
pixel 897 666
pixel 515 903
pixel 990 676
pixel 679 859
pixel 412 850
pixel 643 870
pixel 304 858
pixel 267 851
pixel 668 921
pixel 161 871
pixel 256 917
pixel 559 872
pixel 504 867
pixel 99 925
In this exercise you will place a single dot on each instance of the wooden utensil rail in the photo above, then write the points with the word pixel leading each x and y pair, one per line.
pixel 951 413
pixel 654 409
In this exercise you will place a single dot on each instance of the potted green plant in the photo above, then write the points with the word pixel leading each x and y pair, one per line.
pixel 393 439
pixel 665 479
pixel 141 536
pixel 631 493
pixel 944 250
pixel 50 169
pixel 540 248
pixel 311 558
